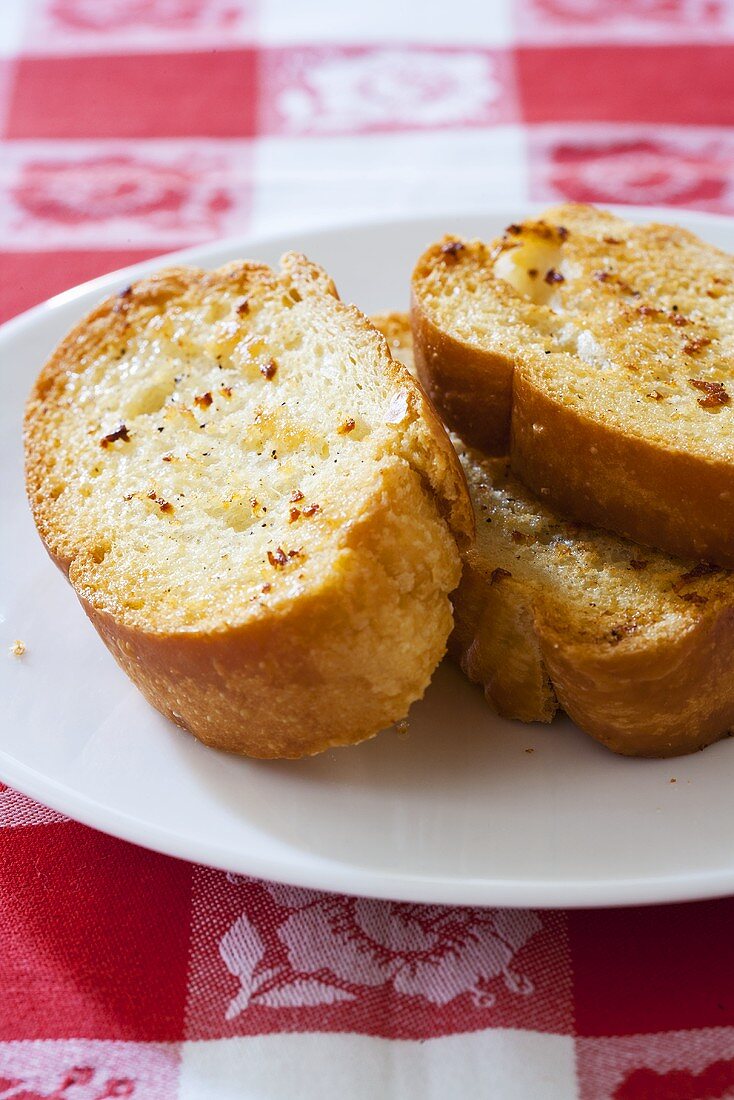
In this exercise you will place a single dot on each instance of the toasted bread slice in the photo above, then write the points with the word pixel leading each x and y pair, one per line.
pixel 255 505
pixel 637 647
pixel 599 354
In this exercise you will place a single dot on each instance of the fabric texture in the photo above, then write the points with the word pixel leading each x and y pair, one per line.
pixel 132 127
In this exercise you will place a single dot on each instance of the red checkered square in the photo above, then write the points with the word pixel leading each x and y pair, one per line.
pixel 135 96
pixel 133 194
pixel 627 84
pixel 339 90
pixel 268 958
pixel 93 937
pixel 669 166
pixel 27 278
pixel 681 1065
pixel 654 969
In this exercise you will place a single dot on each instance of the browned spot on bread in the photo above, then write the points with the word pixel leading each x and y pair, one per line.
pixel 715 392
pixel 499 575
pixel 638 564
pixel 347 426
pixel 693 346
pixel 703 569
pixel 552 277
pixel 119 433
pixel 164 505
pixel 623 630
pixel 203 400
pixel 268 370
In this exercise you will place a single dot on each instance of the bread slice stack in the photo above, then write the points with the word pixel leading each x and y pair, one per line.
pixel 266 521
pixel 256 506
pixel 636 645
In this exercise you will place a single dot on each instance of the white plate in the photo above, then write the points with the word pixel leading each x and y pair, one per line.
pixel 458 811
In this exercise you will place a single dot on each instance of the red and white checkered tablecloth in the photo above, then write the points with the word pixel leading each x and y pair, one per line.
pixel 132 127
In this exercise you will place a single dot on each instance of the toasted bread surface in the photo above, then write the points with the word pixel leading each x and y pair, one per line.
pixel 598 354
pixel 255 505
pixel 636 646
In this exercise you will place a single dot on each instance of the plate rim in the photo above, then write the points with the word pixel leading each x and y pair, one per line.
pixel 330 875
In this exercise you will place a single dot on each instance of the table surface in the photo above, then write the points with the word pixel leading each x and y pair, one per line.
pixel 132 127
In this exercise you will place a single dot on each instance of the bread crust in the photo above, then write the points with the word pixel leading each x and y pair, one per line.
pixel 468 386
pixel 641 487
pixel 651 696
pixel 660 693
pixel 655 701
pixel 635 487
pixel 348 656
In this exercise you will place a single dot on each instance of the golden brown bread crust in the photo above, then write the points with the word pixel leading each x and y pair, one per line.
pixel 650 698
pixel 663 689
pixel 491 388
pixel 347 656
pixel 656 692
pixel 468 386
pixel 663 700
pixel 681 504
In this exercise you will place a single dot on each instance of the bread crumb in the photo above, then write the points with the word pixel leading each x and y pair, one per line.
pixel 529 750
pixel 402 727
pixel 17 649
pixel 673 781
